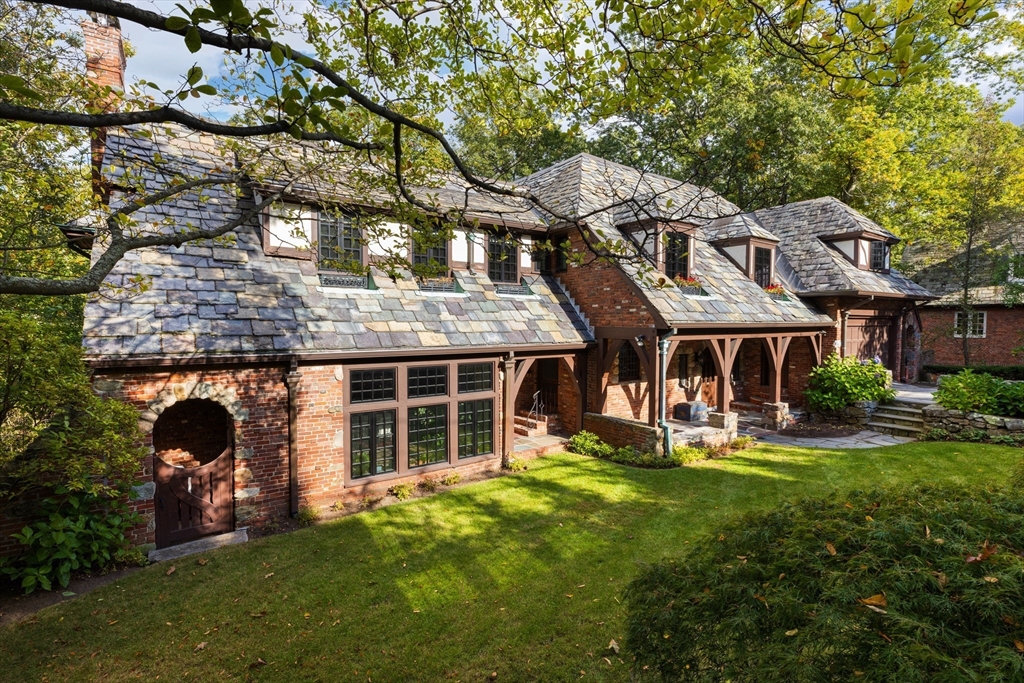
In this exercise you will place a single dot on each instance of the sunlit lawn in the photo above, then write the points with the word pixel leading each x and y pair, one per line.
pixel 521 576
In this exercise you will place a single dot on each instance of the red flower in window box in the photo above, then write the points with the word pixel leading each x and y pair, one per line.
pixel 685 282
pixel 776 289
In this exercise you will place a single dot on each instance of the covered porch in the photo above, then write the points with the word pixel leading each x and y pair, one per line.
pixel 544 399
pixel 761 368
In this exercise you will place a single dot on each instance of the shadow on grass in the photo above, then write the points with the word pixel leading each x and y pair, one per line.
pixel 520 575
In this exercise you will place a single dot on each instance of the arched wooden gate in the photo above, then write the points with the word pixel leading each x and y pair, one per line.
pixel 192 502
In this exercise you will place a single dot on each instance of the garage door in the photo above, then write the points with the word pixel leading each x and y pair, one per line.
pixel 868 337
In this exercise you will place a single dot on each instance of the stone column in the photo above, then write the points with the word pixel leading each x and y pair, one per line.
pixel 776 415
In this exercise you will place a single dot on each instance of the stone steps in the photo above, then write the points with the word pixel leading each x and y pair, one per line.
pixel 898 419
pixel 535 425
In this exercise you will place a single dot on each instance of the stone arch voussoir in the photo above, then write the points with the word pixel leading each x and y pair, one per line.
pixel 182 391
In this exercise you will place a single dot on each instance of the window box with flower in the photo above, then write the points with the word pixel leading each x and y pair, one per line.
pixel 777 292
pixel 690 286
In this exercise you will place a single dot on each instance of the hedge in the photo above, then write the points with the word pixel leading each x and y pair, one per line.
pixel 1015 372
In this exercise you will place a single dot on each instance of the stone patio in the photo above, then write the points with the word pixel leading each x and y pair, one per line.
pixel 539 444
pixel 918 394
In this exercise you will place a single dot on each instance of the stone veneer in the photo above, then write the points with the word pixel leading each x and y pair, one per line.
pixel 937 417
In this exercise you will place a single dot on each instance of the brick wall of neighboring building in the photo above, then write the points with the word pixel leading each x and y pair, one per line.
pixel 1004 332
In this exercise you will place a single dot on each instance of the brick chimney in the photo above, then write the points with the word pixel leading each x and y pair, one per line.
pixel 104 67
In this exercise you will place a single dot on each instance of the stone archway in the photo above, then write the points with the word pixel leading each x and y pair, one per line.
pixel 182 391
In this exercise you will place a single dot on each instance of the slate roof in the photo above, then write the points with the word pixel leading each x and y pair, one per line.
pixel 733 227
pixel 210 298
pixel 819 268
pixel 979 296
pixel 598 192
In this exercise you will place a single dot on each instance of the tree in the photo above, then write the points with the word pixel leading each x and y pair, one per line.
pixel 373 85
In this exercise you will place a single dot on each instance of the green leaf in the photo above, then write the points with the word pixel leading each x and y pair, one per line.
pixel 176 23
pixel 206 89
pixel 195 74
pixel 277 54
pixel 192 40
pixel 222 8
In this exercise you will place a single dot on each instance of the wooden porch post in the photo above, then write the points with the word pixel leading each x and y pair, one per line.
pixel 723 351
pixel 776 348
pixel 508 433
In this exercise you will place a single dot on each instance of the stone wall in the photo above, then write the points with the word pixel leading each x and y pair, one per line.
pixel 857 414
pixel 620 432
pixel 937 417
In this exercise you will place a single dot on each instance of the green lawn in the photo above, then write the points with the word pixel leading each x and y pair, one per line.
pixel 520 575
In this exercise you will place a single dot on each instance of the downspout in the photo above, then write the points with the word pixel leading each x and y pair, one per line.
pixel 663 341
pixel 291 379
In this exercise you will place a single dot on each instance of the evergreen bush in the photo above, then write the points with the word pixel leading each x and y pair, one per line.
pixel 924 584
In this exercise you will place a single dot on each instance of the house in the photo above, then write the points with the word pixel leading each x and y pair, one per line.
pixel 268 378
pixel 994 325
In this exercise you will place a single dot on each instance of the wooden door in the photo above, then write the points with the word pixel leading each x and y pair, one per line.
pixel 869 337
pixel 192 502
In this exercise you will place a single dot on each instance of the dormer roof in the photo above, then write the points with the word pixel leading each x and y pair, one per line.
pixel 744 225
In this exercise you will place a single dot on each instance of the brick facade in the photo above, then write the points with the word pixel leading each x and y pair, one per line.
pixel 1004 332
pixel 602 291
pixel 621 432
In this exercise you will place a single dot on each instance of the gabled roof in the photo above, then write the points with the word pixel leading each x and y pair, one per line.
pixel 979 296
pixel 209 298
pixel 600 193
pixel 821 269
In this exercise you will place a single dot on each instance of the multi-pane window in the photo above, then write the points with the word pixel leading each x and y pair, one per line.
pixel 684 369
pixel 476 428
pixel 974 327
pixel 430 256
pixel 878 250
pixel 372 444
pixel 428 435
pixel 561 260
pixel 372 385
pixel 476 377
pixel 340 242
pixel 629 364
pixel 676 255
pixel 502 259
pixel 763 266
pixel 430 381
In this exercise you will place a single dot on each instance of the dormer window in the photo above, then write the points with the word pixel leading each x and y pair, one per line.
pixel 430 259
pixel 763 266
pixel 340 245
pixel 502 259
pixel 879 252
pixel 677 253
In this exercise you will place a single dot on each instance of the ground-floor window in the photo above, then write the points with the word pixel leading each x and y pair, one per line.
pixel 476 428
pixel 373 443
pixel 428 435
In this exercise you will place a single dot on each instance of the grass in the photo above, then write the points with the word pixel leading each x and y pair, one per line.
pixel 521 576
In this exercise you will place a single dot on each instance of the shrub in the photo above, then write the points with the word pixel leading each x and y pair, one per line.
pixel 1002 371
pixel 1008 440
pixel 428 484
pixel 308 515
pixel 742 443
pixel 369 502
pixel 630 456
pixel 451 479
pixel 588 443
pixel 871 585
pixel 516 465
pixel 683 455
pixel 80 532
pixel 936 434
pixel 402 491
pixel 982 393
pixel 839 382
pixel 1017 477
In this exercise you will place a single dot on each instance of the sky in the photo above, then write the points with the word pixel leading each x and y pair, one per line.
pixel 161 57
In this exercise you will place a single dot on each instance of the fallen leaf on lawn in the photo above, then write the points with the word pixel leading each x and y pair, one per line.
pixel 171 571
pixel 793 632
pixel 201 646
pixel 568 595
pixel 940 541
pixel 111 623
pixel 202 561
pixel 494 674
pixel 1019 645
pixel 869 518
pixel 927 532
pixel 942 579
pixel 876 600
pixel 721 537
pixel 259 662
pixel 847 505
pixel 268 575
pixel 613 646
pixel 987 551
pixel 831 548
pixel 887 638
pixel 876 609
pixel 1008 620
pixel 607 660
pixel 991 579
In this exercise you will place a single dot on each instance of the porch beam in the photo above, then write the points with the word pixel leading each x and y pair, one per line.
pixel 608 350
pixel 695 336
pixel 816 342
pixel 776 348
